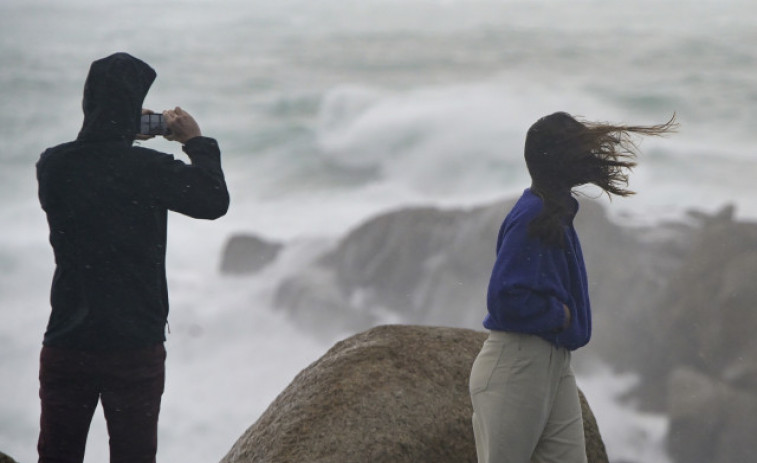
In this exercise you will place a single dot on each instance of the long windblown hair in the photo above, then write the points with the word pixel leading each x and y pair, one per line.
pixel 563 153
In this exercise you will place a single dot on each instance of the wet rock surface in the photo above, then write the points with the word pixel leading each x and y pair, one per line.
pixel 395 393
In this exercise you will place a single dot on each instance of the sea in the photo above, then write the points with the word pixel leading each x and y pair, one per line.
pixel 329 112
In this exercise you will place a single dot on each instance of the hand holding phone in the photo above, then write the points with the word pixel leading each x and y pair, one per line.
pixel 181 124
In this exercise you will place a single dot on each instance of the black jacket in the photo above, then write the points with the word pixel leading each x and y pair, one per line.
pixel 106 203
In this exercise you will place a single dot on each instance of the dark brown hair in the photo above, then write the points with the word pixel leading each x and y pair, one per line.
pixel 563 153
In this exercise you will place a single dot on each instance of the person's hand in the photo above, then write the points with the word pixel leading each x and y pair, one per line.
pixel 141 136
pixel 181 124
pixel 567 317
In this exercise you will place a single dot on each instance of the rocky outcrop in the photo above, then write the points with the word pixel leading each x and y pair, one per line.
pixel 392 394
pixel 710 420
pixel 702 334
pixel 247 254
pixel 673 297
pixel 422 265
pixel 431 266
pixel 706 318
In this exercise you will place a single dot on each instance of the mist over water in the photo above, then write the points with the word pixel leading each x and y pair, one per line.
pixel 329 112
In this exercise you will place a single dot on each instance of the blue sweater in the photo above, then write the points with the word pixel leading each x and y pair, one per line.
pixel 530 281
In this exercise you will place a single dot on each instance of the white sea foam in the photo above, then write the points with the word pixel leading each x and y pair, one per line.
pixel 628 434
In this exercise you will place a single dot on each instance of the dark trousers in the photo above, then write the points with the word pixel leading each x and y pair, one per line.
pixel 128 383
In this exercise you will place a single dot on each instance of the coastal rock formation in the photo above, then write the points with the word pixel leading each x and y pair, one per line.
pixel 422 265
pixel 392 394
pixel 710 420
pixel 709 317
pixel 673 297
pixel 703 332
pixel 431 266
pixel 247 254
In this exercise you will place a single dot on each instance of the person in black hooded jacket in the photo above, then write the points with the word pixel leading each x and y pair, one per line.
pixel 106 203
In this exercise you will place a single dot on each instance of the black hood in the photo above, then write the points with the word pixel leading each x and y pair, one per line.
pixel 113 95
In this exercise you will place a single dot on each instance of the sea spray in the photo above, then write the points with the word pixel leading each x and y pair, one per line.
pixel 436 97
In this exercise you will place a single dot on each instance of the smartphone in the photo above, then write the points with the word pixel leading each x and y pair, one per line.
pixel 153 124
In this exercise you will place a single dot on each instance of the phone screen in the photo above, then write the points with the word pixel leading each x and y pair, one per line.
pixel 153 124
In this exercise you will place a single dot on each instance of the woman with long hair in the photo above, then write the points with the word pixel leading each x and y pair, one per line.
pixel 525 400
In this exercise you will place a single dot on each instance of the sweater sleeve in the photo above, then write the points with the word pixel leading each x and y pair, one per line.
pixel 525 292
pixel 197 189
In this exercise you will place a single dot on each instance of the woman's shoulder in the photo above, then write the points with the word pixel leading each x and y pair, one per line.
pixel 527 207
pixel 515 225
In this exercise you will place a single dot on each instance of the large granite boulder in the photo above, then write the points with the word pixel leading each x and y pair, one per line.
pixel 392 394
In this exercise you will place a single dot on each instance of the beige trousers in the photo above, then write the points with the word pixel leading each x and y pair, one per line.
pixel 525 402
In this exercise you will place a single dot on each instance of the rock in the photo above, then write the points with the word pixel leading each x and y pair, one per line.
pixel 421 262
pixel 705 319
pixel 247 254
pixel 431 266
pixel 417 265
pixel 6 459
pixel 693 396
pixel 627 272
pixel 314 301
pixel 702 331
pixel 664 298
pixel 595 446
pixel 710 421
pixel 392 394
